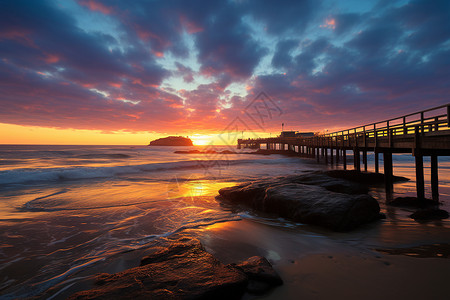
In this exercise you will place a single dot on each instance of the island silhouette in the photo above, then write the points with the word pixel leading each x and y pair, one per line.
pixel 172 141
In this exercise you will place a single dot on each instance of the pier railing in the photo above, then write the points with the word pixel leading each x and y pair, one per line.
pixel 412 123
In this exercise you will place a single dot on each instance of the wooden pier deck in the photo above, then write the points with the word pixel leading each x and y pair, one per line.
pixel 423 133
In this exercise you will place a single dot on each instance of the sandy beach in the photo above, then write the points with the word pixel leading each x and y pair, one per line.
pixel 315 263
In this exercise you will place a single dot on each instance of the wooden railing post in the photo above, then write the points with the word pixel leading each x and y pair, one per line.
pixel 375 133
pixel 420 182
pixel 405 130
pixel 448 115
pixel 364 138
pixel 390 137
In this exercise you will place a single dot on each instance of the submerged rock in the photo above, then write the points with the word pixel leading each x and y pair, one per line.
pixel 412 202
pixel 262 277
pixel 429 214
pixel 312 198
pixel 184 270
pixel 181 271
pixel 367 178
pixel 422 251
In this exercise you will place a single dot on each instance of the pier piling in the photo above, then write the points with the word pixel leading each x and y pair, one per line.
pixel 434 178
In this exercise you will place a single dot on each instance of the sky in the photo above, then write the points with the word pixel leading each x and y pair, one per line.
pixel 126 72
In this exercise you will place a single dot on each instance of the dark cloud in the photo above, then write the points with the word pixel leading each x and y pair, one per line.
pixel 383 64
pixel 227 45
pixel 284 15
pixel 54 72
pixel 282 57
pixel 346 22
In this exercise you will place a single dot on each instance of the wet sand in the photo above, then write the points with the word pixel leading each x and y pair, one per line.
pixel 334 266
pixel 394 258
pixel 314 263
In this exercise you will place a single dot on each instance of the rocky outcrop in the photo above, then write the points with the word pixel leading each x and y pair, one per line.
pixel 262 277
pixel 172 141
pixel 312 198
pixel 184 270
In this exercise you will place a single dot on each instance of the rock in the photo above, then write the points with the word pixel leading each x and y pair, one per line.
pixel 421 251
pixel 181 271
pixel 331 183
pixel 187 152
pixel 430 214
pixel 367 178
pixel 312 198
pixel 227 152
pixel 412 202
pixel 172 141
pixel 262 277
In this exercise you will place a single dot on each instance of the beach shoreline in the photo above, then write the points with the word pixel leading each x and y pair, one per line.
pixel 319 265
pixel 63 232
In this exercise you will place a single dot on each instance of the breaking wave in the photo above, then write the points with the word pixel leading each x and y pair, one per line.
pixel 77 173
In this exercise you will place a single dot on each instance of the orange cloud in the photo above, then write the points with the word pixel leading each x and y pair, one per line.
pixel 329 23
pixel 96 6
pixel 115 84
pixel 51 59
pixel 190 26
pixel 158 53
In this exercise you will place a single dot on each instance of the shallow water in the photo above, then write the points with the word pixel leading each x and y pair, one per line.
pixel 66 211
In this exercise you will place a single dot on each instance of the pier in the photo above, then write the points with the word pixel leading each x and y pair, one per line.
pixel 423 133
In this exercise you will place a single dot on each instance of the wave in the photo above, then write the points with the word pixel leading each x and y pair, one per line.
pixel 32 288
pixel 104 155
pixel 18 176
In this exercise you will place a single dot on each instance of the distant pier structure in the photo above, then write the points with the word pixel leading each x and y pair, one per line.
pixel 423 133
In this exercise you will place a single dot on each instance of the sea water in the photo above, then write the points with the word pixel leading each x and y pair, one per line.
pixel 66 209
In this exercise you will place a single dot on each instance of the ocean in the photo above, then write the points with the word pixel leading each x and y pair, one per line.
pixel 67 212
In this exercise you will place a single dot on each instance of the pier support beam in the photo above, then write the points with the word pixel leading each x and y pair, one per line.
pixel 326 155
pixel 344 158
pixel 365 160
pixel 356 159
pixel 377 167
pixel 434 178
pixel 388 175
pixel 420 182
pixel 331 156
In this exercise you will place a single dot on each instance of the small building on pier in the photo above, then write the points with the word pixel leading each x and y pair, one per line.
pixel 288 134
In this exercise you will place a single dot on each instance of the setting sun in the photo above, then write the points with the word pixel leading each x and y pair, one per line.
pixel 200 140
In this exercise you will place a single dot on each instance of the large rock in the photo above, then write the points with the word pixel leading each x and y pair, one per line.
pixel 311 198
pixel 181 271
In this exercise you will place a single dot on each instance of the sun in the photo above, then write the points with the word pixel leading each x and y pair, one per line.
pixel 200 140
